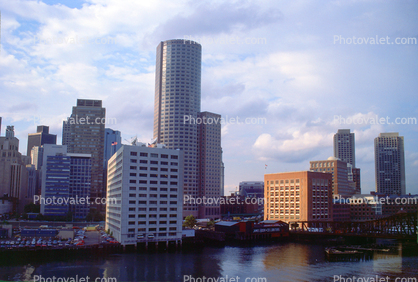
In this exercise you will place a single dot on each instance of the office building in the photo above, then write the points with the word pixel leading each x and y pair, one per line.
pixel 86 135
pixel 344 146
pixel 67 178
pixel 41 137
pixel 145 195
pixel 298 196
pixel 13 171
pixel 390 164
pixel 210 163
pixel 113 142
pixel 339 171
pixel 177 116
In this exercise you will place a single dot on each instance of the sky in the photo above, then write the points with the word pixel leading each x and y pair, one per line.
pixel 291 72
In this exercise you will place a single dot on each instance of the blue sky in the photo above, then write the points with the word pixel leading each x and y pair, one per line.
pixel 290 69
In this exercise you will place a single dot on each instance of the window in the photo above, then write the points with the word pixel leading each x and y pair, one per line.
pixel 154 155
pixel 133 154
pixel 174 157
pixel 143 154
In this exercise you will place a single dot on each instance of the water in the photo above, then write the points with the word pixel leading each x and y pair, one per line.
pixel 282 262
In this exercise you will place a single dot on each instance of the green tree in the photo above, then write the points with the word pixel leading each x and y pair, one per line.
pixel 190 221
pixel 210 224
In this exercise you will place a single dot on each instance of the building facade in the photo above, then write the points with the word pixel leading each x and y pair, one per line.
pixel 13 171
pixel 210 163
pixel 252 189
pixel 390 164
pixel 145 195
pixel 176 109
pixel 41 137
pixel 339 171
pixel 113 142
pixel 66 177
pixel 84 133
pixel 298 196
pixel 344 146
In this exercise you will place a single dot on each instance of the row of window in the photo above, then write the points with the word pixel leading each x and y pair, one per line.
pixel 152 202
pixel 154 155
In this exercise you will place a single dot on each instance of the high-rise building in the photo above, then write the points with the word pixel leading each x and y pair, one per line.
pixel 339 171
pixel 86 135
pixel 41 137
pixel 13 171
pixel 298 196
pixel 177 99
pixel 210 163
pixel 145 195
pixel 390 164
pixel 344 146
pixel 113 142
pixel 67 178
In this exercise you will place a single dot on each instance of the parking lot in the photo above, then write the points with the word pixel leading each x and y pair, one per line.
pixel 81 238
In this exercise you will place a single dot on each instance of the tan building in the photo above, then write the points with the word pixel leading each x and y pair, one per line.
pixel 84 133
pixel 13 171
pixel 298 196
pixel 339 171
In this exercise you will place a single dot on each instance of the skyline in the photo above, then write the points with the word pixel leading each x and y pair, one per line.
pixel 300 80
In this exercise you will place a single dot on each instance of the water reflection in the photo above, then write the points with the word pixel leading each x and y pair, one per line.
pixel 280 262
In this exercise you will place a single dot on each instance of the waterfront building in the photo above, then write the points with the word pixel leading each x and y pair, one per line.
pixel 176 121
pixel 145 194
pixel 390 164
pixel 298 196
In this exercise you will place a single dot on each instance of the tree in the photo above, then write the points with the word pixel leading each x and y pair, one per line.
pixel 210 224
pixel 190 221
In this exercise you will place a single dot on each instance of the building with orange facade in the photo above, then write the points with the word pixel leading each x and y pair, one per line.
pixel 298 196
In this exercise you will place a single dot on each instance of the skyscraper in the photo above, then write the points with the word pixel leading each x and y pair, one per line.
pixel 390 163
pixel 85 135
pixel 41 137
pixel 344 146
pixel 177 97
pixel 65 177
pixel 113 142
pixel 210 163
pixel 13 171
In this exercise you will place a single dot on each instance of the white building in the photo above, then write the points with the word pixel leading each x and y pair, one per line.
pixel 145 194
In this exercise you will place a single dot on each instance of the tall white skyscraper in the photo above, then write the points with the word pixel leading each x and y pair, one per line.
pixel 176 110
pixel 177 95
pixel 390 163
